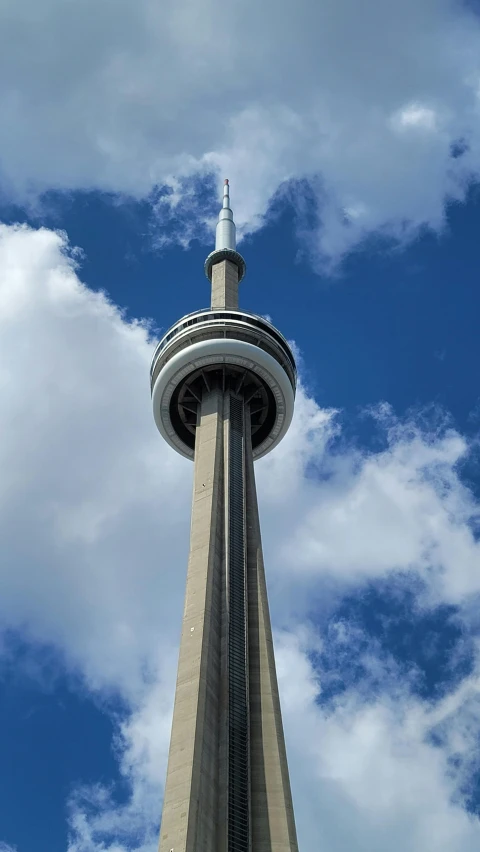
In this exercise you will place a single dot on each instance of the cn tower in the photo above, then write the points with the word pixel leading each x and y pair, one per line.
pixel 223 390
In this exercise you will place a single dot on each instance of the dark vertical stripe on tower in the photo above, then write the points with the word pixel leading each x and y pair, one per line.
pixel 238 704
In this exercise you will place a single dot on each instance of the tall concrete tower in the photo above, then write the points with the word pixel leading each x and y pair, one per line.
pixel 223 388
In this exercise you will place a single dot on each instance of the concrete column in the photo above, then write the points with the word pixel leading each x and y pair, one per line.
pixel 190 809
pixel 225 285
pixel 273 823
pixel 204 774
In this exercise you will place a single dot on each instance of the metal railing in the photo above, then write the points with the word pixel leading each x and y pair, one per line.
pixel 217 318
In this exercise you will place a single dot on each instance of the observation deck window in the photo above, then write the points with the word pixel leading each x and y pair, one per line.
pixel 206 316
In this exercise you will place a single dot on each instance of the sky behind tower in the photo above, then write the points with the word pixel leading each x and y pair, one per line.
pixel 351 136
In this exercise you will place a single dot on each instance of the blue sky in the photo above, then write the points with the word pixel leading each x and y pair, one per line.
pixel 356 196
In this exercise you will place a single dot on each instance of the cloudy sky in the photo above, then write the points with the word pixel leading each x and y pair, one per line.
pixel 351 136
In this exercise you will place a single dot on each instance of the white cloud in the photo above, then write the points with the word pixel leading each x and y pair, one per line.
pixel 365 773
pixel 415 115
pixel 363 100
pixel 87 486
pixel 401 509
pixel 94 529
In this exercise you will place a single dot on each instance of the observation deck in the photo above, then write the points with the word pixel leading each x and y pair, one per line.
pixel 235 350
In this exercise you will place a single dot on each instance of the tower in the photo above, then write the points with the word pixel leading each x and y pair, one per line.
pixel 223 388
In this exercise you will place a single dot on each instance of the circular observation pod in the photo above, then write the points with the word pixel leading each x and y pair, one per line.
pixel 225 254
pixel 233 350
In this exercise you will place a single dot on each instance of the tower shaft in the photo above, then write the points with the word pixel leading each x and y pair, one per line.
pixel 225 285
pixel 227 787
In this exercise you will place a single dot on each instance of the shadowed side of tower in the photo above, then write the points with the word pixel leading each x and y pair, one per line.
pixel 223 384
pixel 273 822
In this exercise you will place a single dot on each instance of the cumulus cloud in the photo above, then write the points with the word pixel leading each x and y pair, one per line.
pixel 94 527
pixel 401 509
pixel 87 487
pixel 367 103
pixel 367 774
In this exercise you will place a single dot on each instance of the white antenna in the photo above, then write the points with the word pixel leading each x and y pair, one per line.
pixel 225 237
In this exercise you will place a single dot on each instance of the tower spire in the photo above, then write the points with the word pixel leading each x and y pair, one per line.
pixel 225 250
pixel 226 236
